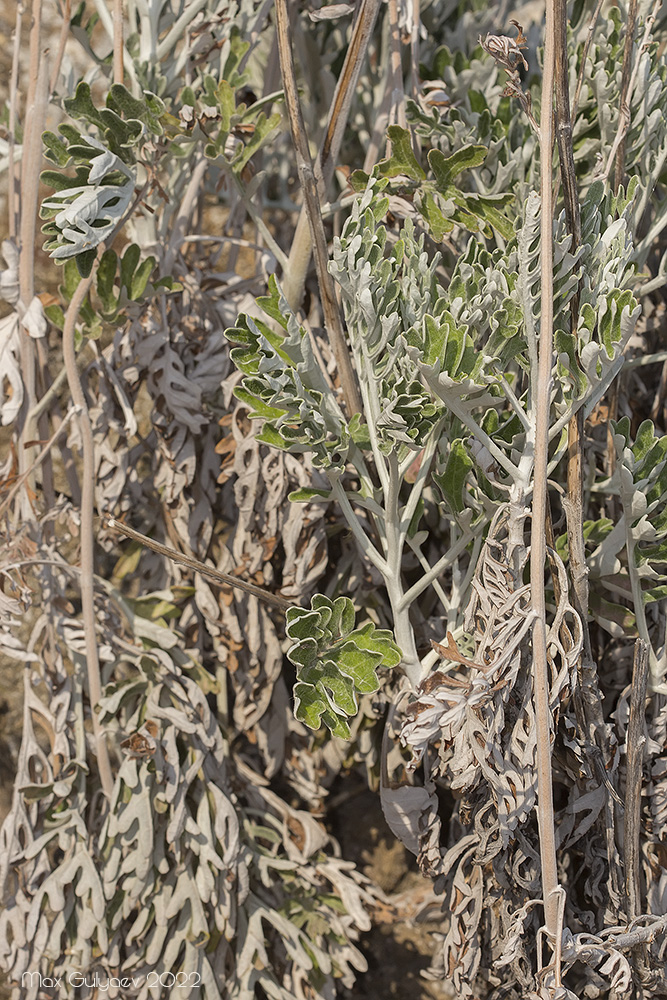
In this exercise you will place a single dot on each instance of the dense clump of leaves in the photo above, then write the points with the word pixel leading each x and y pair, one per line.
pixel 335 661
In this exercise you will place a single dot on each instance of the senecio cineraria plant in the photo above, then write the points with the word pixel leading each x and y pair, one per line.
pixel 491 537
pixel 470 391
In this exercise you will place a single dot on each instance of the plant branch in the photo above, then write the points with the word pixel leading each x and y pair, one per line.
pixel 86 529
pixel 294 274
pixel 636 746
pixel 364 541
pixel 118 42
pixel 36 461
pixel 584 56
pixel 618 147
pixel 397 110
pixel 619 162
pixel 216 575
pixel 331 308
pixel 12 192
pixel 62 41
pixel 30 169
pixel 443 563
pixel 543 718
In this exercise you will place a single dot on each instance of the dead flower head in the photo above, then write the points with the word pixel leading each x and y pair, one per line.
pixel 505 50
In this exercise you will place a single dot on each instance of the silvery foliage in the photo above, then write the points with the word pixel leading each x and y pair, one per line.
pixel 84 215
pixel 197 864
pixel 198 867
pixel 450 371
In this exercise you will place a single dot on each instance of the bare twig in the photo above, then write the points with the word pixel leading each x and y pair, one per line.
pixel 118 41
pixel 36 461
pixel 86 529
pixel 62 40
pixel 186 208
pixel 584 57
pixel 294 274
pixel 564 128
pixel 30 169
pixel 12 194
pixel 332 315
pixel 636 746
pixel 397 112
pixel 225 579
pixel 414 50
pixel 626 98
pixel 573 502
pixel 546 822
pixel 619 163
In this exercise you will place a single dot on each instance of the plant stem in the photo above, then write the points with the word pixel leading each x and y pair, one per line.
pixel 294 274
pixel 573 503
pixel 225 579
pixel 62 41
pixel 330 306
pixel 12 192
pixel 619 162
pixel 86 531
pixel 117 41
pixel 397 111
pixel 582 68
pixel 636 744
pixel 627 88
pixel 30 168
pixel 546 823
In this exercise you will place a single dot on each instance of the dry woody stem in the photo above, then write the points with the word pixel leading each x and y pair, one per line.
pixel 332 313
pixel 538 541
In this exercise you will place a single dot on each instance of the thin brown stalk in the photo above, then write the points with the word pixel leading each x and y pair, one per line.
pixel 30 169
pixel 118 41
pixel 414 51
pixel 618 147
pixel 12 193
pixel 185 212
pixel 36 461
pixel 294 277
pixel 619 162
pixel 397 112
pixel 62 41
pixel 546 821
pixel 331 308
pixel 636 747
pixel 582 68
pixel 225 579
pixel 573 502
pixel 35 64
pixel 87 538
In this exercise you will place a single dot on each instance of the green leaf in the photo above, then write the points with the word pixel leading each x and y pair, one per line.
pixel 140 279
pixel 359 432
pixel 106 276
pixel 264 130
pixel 55 150
pixel 438 223
pixel 56 316
pixel 227 104
pixel 85 261
pixel 335 662
pixel 447 168
pixel 307 493
pixel 83 106
pixel 452 480
pixel 402 160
